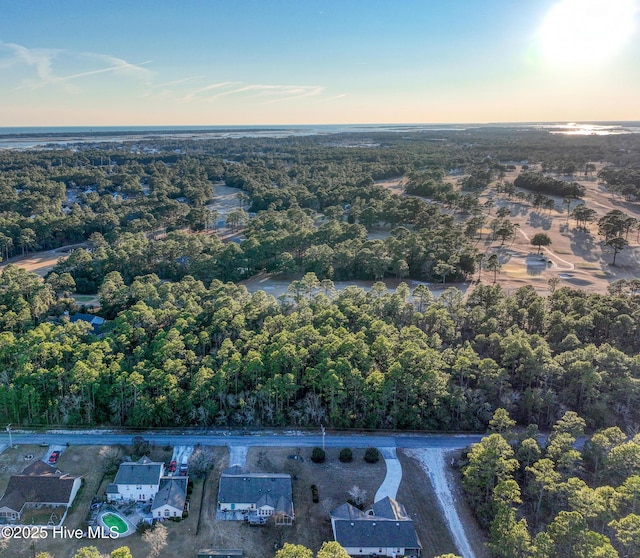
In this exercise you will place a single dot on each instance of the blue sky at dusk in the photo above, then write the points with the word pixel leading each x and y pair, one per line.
pixel 317 62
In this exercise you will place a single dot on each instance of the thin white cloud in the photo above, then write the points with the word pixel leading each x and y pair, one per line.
pixel 336 97
pixel 177 81
pixel 282 92
pixel 38 58
pixel 119 67
pixel 49 64
pixel 196 93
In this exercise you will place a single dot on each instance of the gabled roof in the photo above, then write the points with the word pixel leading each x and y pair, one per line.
pixel 143 471
pixel 390 509
pixel 39 467
pixel 399 534
pixel 388 525
pixel 96 321
pixel 347 511
pixel 38 483
pixel 237 485
pixel 173 492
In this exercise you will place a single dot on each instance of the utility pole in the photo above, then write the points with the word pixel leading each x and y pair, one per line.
pixel 323 434
pixel 10 439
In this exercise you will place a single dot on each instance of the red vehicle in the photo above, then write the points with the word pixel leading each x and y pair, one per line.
pixel 172 466
pixel 54 457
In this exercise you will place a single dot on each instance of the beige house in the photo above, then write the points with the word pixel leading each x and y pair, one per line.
pixel 38 485
pixel 255 497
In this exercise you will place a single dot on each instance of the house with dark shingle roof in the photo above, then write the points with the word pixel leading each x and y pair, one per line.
pixel 96 322
pixel 136 481
pixel 39 484
pixel 258 496
pixel 385 530
pixel 171 497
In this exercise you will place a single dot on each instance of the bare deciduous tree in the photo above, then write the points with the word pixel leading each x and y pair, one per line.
pixel 156 538
pixel 357 495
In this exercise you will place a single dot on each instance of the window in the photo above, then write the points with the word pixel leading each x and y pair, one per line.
pixel 166 513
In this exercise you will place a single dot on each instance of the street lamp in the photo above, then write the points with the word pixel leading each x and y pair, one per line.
pixel 323 433
pixel 10 439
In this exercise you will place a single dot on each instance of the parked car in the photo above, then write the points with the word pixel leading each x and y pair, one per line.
pixel 54 457
pixel 183 469
pixel 172 466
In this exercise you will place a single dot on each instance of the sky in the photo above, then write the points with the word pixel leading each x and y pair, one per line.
pixel 244 62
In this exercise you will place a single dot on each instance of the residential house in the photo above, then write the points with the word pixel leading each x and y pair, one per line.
pixel 171 498
pixel 257 496
pixel 385 530
pixel 136 481
pixel 39 484
pixel 96 322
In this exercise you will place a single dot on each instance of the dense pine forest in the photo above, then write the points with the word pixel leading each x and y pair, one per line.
pixel 556 496
pixel 182 353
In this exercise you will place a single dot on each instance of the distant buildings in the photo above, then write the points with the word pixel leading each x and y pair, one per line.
pixel 96 322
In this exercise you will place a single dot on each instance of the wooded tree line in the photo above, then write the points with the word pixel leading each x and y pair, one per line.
pixel 544 498
pixel 183 353
pixel 286 241
pixel 62 196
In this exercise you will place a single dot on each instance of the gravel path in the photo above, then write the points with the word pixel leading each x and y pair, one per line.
pixel 433 463
pixel 391 483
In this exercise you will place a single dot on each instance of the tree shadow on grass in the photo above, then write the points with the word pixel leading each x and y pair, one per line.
pixel 583 245
pixel 540 221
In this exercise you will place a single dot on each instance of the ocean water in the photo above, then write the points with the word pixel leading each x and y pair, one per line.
pixel 34 136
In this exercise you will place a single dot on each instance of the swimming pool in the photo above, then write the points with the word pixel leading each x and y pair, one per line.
pixel 114 521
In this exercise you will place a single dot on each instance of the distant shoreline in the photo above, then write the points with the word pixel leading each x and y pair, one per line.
pixel 33 137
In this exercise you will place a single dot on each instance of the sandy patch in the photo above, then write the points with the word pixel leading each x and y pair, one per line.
pixel 433 463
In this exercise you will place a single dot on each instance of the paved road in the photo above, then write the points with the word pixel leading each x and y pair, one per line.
pixel 217 438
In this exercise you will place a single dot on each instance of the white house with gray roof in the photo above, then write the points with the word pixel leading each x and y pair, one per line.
pixel 136 481
pixel 255 497
pixel 385 530
pixel 171 498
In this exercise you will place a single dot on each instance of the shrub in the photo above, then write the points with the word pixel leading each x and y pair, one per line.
pixel 318 455
pixel 372 455
pixel 346 455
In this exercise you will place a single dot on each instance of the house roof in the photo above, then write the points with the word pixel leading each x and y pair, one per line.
pixel 172 492
pixel 39 467
pixel 39 483
pixel 347 511
pixel 237 485
pixel 398 534
pixel 96 321
pixel 387 525
pixel 141 472
pixel 390 509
